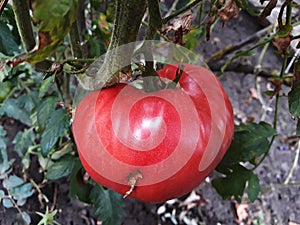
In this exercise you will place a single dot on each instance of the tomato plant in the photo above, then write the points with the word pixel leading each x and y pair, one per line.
pixel 159 145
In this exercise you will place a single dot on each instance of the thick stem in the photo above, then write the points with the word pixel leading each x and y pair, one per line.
pixel 21 11
pixel 150 77
pixel 128 17
pixel 75 41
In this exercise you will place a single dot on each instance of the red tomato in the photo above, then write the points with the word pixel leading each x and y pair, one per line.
pixel 161 145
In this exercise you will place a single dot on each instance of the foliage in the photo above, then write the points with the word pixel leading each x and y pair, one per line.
pixel 107 204
pixel 48 217
pixel 249 143
pixel 37 89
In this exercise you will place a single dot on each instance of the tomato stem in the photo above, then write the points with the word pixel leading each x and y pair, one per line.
pixel 179 72
pixel 151 80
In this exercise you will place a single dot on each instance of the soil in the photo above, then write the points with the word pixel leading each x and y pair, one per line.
pixel 276 205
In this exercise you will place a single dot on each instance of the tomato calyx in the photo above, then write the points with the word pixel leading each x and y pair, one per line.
pixel 152 81
pixel 174 82
pixel 132 181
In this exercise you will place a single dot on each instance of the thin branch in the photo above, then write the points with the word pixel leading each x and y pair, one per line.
pixel 273 187
pixel 294 165
pixel 231 48
pixel 182 10
pixel 239 67
pixel 21 11
pixel 2 5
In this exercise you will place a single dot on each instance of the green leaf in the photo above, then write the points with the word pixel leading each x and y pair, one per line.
pixel 5 89
pixel 78 187
pixel 21 108
pixel 12 108
pixel 45 111
pixel 233 184
pixel 57 125
pixel 264 129
pixel 55 18
pixel 298 128
pixel 46 84
pixel 7 44
pixel 192 38
pixel 7 203
pixel 26 217
pixel 12 182
pixel 2 194
pixel 5 164
pixel 23 141
pixel 294 99
pixel 8 17
pixel 61 168
pixel 108 205
pixel 253 187
pixel 250 141
pixel 18 189
pixel 21 192
pixel 3 139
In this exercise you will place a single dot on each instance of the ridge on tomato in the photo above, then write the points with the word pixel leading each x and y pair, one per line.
pixel 155 146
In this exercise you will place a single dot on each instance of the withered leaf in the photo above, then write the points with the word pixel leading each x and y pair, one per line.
pixel 177 28
pixel 228 10
pixel 282 43
pixel 211 21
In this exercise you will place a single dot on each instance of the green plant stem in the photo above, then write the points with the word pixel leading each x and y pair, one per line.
pixel 21 11
pixel 289 13
pixel 37 188
pixel 258 67
pixel 283 66
pixel 75 41
pixel 150 76
pixel 182 10
pixel 294 165
pixel 128 17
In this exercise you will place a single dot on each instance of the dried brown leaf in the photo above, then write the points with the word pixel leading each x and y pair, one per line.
pixel 228 11
pixel 177 28
pixel 44 39
pixel 241 212
pixel 282 43
pixel 277 84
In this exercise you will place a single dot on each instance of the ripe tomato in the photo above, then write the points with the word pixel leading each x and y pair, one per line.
pixel 155 146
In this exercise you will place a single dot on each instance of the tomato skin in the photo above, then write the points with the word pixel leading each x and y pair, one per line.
pixel 174 137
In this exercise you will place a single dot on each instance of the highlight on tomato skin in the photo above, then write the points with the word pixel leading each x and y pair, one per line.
pixel 159 145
